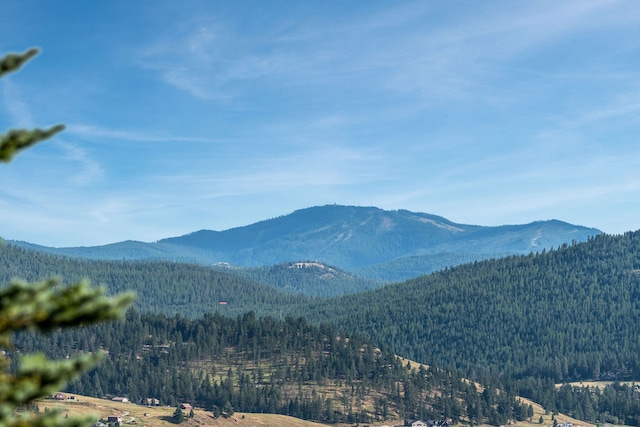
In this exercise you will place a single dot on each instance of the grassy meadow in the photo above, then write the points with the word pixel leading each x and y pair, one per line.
pixel 161 416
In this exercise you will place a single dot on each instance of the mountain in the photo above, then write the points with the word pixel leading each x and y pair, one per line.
pixel 570 314
pixel 375 243
pixel 160 286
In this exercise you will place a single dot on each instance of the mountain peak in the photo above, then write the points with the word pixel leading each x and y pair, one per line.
pixel 352 238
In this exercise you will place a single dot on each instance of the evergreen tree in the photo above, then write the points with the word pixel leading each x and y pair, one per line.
pixel 43 307
pixel 227 409
pixel 178 416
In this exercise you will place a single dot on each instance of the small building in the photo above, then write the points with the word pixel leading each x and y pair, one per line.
pixel 120 399
pixel 115 419
pixel 152 401
pixel 186 407
pixel 428 423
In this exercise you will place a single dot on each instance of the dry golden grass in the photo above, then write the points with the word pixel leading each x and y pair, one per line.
pixel 599 384
pixel 138 415
pixel 547 421
pixel 538 411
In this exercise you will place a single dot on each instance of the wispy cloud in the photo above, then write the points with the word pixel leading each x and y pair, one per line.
pixel 435 61
pixel 322 166
pixel 15 105
pixel 189 58
pixel 86 169
pixel 626 105
pixel 497 111
pixel 110 209
pixel 140 136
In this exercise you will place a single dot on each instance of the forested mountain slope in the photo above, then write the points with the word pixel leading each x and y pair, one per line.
pixel 524 321
pixel 379 244
pixel 567 314
pixel 161 286
pixel 255 364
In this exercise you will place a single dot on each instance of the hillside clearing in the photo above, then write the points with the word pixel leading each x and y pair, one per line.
pixel 161 416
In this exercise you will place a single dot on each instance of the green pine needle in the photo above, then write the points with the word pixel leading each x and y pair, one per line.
pixel 14 61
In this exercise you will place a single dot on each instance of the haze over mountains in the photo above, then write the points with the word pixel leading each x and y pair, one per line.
pixel 368 241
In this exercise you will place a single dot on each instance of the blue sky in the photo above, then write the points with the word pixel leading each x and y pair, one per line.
pixel 210 115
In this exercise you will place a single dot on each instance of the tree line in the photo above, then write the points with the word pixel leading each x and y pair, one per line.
pixel 260 364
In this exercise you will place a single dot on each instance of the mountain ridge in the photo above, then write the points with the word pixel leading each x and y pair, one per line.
pixel 353 238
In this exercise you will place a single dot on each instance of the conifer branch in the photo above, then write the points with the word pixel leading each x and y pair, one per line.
pixel 43 307
pixel 19 139
pixel 13 61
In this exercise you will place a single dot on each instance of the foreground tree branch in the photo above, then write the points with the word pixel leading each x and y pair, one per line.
pixel 42 307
